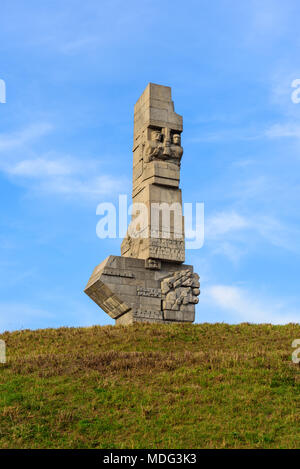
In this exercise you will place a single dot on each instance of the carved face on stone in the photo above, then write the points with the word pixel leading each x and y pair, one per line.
pixel 156 135
pixel 176 139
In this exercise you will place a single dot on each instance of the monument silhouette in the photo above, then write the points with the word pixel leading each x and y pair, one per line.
pixel 149 282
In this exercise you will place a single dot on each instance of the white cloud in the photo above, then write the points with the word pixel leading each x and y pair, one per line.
pixel 233 235
pixel 228 135
pixel 53 173
pixel 243 163
pixel 291 130
pixel 87 187
pixel 17 315
pixel 78 45
pixel 247 307
pixel 226 234
pixel 27 135
pixel 223 223
pixel 39 167
pixel 268 22
pixel 77 313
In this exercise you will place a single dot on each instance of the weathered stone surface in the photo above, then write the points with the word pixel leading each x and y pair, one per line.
pixel 149 282
pixel 141 301
pixel 157 154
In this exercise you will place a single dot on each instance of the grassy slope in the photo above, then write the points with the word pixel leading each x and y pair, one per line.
pixel 151 386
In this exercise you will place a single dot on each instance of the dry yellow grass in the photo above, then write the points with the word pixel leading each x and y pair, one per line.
pixel 151 386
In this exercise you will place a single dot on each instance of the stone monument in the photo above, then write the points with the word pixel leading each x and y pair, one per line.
pixel 149 282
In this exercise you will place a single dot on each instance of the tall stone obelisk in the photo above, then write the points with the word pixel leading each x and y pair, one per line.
pixel 149 282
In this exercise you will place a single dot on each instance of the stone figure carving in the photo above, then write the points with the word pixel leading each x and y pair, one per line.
pixel 149 282
pixel 179 290
pixel 154 149
pixel 176 150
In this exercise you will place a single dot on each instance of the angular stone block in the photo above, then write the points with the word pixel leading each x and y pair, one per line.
pixel 149 282
pixel 139 302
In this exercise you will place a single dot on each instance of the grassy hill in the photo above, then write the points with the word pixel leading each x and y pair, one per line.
pixel 151 386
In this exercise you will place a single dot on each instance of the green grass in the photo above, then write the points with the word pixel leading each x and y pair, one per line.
pixel 151 386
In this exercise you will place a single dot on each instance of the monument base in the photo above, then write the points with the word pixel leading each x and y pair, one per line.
pixel 136 290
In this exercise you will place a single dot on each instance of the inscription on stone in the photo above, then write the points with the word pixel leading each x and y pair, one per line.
pixel 167 249
pixel 148 314
pixel 151 283
pixel 118 273
pixel 154 292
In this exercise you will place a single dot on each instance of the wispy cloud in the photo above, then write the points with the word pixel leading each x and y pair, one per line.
pixel 53 173
pixel 39 167
pixel 228 135
pixel 277 130
pixel 77 45
pixel 233 234
pixel 14 315
pixel 224 222
pixel 247 307
pixel 77 312
pixel 268 21
pixel 82 186
pixel 10 141
pixel 291 130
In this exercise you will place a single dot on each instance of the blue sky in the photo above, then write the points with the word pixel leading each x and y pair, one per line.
pixel 73 71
